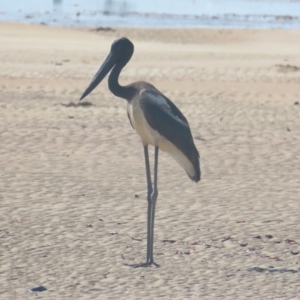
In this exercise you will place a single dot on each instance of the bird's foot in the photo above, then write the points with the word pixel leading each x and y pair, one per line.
pixel 144 265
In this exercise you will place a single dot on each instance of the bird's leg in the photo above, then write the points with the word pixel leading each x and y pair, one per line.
pixel 151 198
pixel 148 173
pixel 151 214
pixel 149 193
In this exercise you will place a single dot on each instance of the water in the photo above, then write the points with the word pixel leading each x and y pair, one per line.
pixel 156 13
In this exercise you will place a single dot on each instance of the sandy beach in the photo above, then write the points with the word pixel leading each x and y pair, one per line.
pixel 73 188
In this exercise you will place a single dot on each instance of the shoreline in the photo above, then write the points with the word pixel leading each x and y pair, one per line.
pixel 154 20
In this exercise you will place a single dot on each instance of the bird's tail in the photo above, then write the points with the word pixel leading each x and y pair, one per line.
pixel 190 162
pixel 195 161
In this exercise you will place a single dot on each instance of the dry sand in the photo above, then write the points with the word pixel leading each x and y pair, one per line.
pixel 72 186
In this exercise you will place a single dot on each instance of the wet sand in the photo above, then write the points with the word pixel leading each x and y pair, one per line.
pixel 72 188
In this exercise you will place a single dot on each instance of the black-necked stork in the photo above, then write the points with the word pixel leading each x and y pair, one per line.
pixel 156 120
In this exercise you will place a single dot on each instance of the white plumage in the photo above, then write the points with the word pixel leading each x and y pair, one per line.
pixel 149 136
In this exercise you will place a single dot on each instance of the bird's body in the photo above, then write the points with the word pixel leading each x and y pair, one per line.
pixel 156 120
pixel 148 94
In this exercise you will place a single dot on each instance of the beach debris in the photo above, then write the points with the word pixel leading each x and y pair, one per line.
pixel 250 250
pixel 188 243
pixel 225 239
pixel 103 29
pixel 206 245
pixel 112 232
pixel 257 269
pixel 242 244
pixel 259 237
pixel 169 241
pixel 79 195
pixel 198 137
pixel 134 239
pixel 269 236
pixel 269 221
pixel 89 225
pixel 271 269
pixel 39 289
pixel 287 68
pixel 136 196
pixel 189 246
pixel 277 258
pixel 186 252
pixel 296 103
pixel 289 241
pixel 256 237
pixel 79 104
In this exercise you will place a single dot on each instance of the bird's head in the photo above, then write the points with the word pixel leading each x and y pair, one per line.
pixel 122 49
pixel 120 53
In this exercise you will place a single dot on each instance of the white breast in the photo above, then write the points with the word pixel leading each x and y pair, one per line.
pixel 148 135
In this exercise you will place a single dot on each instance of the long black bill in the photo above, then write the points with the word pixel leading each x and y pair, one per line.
pixel 104 69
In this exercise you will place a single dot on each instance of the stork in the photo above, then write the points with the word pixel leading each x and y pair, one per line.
pixel 156 120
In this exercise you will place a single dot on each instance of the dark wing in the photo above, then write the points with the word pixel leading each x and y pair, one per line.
pixel 164 117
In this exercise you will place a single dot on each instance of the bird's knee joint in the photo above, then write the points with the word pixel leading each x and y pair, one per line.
pixel 149 194
pixel 154 195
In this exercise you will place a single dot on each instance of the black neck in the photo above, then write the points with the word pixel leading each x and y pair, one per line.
pixel 125 92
